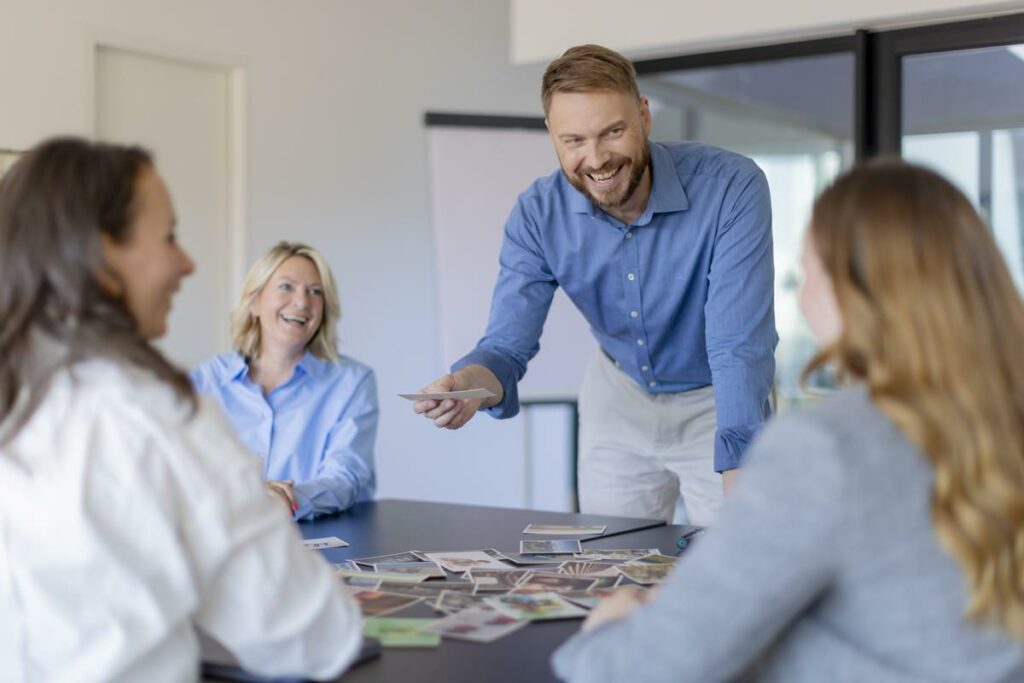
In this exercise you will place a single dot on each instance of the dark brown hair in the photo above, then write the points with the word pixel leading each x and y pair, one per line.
pixel 54 203
pixel 587 68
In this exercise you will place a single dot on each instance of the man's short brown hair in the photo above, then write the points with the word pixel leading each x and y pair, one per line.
pixel 586 68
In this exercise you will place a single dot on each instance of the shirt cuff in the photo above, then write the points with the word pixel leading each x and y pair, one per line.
pixel 506 374
pixel 305 509
pixel 732 443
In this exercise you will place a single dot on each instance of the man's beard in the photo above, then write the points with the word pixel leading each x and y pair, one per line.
pixel 636 174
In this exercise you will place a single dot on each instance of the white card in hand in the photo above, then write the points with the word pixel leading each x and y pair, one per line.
pixel 325 542
pixel 438 396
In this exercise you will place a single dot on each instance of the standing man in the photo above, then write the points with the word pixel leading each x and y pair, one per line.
pixel 666 249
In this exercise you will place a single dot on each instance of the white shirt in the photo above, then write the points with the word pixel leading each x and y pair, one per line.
pixel 124 525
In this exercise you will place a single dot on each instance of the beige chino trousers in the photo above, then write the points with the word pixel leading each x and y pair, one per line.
pixel 641 453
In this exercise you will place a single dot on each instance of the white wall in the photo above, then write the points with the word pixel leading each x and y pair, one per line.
pixel 541 29
pixel 336 157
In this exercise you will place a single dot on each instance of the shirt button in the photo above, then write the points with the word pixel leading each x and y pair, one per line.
pixel 629 235
pixel 633 314
pixel 631 276
pixel 639 342
pixel 652 383
pixel 644 368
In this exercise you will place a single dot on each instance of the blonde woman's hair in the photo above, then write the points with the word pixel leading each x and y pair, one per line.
pixel 245 327
pixel 934 325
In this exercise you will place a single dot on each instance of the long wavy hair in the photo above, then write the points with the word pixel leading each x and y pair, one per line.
pixel 934 326
pixel 245 327
pixel 54 203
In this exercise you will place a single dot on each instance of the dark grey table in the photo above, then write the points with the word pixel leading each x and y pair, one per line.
pixel 390 526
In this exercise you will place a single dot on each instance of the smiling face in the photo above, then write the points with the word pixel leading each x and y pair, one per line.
pixel 290 307
pixel 148 267
pixel 601 141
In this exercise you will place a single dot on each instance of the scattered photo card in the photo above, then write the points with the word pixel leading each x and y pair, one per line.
pixel 553 583
pixel 401 632
pixel 536 606
pixel 558 547
pixel 501 580
pixel 452 602
pixel 656 558
pixel 606 582
pixel 430 570
pixel 477 624
pixel 520 559
pixel 408 556
pixel 347 565
pixel 377 604
pixel 585 568
pixel 325 542
pixel 623 555
pixel 362 582
pixel 589 599
pixel 380 576
pixel 624 580
pixel 461 586
pixel 428 589
pixel 645 573
pixel 565 529
pixel 460 561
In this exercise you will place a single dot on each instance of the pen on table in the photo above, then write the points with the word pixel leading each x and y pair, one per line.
pixel 685 539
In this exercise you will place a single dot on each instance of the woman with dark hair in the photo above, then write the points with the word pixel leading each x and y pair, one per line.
pixel 879 534
pixel 120 536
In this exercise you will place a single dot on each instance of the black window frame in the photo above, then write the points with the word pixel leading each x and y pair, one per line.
pixel 878 55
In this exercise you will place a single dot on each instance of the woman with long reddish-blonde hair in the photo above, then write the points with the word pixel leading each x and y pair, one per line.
pixel 879 534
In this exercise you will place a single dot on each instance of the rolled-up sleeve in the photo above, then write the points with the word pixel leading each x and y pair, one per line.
pixel 522 297
pixel 740 317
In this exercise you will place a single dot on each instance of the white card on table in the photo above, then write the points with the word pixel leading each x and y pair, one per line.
pixel 325 542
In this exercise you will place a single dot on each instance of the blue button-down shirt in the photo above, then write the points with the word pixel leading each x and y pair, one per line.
pixel 680 299
pixel 318 428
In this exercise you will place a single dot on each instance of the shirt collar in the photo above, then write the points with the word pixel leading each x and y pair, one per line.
pixel 238 369
pixel 667 194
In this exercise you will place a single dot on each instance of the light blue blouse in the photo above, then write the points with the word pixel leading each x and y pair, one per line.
pixel 318 428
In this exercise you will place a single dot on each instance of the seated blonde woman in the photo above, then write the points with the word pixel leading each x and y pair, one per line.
pixel 120 537
pixel 309 413
pixel 877 536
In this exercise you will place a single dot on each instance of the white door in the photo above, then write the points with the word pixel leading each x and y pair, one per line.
pixel 183 112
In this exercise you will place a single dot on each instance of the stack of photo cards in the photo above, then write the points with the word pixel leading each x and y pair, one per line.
pixel 479 624
pixel 563 546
